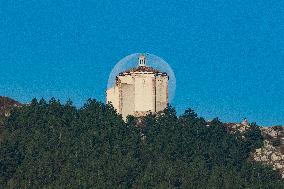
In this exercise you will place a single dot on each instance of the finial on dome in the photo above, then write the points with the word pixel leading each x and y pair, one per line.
pixel 142 60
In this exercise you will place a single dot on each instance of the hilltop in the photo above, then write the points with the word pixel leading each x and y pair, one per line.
pixel 54 145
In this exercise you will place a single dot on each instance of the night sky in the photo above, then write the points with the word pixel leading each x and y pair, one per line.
pixel 228 56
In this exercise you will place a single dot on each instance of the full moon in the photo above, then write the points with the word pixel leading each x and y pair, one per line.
pixel 131 61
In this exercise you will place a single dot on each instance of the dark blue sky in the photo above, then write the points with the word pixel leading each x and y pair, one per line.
pixel 228 56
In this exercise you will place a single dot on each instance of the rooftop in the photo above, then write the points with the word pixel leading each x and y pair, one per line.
pixel 142 68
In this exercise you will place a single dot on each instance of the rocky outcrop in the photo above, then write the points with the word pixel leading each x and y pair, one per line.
pixel 237 127
pixel 6 105
pixel 272 152
pixel 270 155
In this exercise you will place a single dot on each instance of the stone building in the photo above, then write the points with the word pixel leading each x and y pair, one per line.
pixel 139 91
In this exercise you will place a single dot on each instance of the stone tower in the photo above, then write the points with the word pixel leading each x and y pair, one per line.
pixel 139 91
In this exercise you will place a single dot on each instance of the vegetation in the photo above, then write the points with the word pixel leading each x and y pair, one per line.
pixel 6 105
pixel 54 145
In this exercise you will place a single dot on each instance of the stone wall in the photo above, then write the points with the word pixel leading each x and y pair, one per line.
pixel 161 93
pixel 127 99
pixel 112 96
pixel 144 93
pixel 139 93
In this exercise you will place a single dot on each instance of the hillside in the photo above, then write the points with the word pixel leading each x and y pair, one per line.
pixel 6 104
pixel 272 151
pixel 54 145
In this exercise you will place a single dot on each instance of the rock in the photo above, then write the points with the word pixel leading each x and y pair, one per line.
pixel 274 157
pixel 270 153
pixel 258 150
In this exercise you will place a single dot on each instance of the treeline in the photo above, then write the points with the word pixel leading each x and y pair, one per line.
pixel 54 145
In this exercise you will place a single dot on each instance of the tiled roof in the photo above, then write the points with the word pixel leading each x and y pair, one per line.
pixel 142 69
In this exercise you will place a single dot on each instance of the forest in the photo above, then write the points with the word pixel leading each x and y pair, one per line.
pixel 49 144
